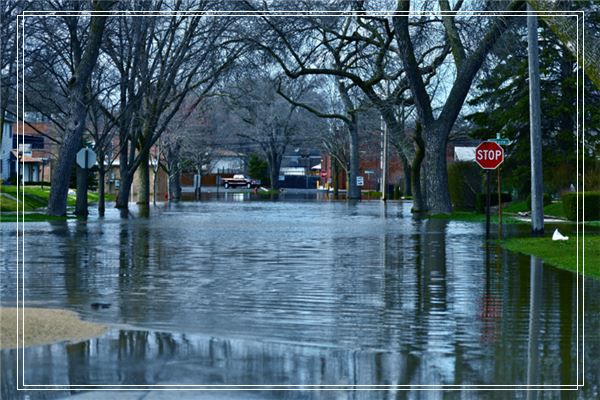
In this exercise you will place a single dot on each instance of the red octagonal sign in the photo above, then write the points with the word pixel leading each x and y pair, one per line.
pixel 489 155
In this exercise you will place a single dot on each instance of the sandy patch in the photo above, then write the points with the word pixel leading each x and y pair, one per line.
pixel 43 326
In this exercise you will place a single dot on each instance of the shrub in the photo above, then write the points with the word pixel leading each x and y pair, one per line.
pixel 464 181
pixel 481 199
pixel 592 206
pixel 547 201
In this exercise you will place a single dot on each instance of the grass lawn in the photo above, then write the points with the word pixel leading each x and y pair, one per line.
pixel 555 209
pixel 470 216
pixel 36 198
pixel 560 254
pixel 31 217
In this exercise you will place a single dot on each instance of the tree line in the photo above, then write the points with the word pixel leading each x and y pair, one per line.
pixel 274 73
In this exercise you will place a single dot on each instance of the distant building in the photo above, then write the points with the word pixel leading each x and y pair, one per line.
pixel 7 140
pixel 227 162
pixel 300 168
pixel 31 154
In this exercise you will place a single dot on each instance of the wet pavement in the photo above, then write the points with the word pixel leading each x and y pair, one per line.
pixel 308 293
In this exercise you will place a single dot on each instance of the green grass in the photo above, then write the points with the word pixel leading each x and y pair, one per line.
pixel 7 204
pixel 560 254
pixel 31 217
pixel 555 209
pixel 36 198
pixel 469 216
pixel 516 206
pixel 372 194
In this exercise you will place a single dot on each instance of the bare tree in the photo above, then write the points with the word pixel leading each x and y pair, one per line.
pixel 467 64
pixel 160 61
pixel 268 120
pixel 8 55
pixel 85 54
pixel 361 52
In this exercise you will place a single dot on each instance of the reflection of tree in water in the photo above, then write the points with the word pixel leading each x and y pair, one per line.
pixel 138 255
pixel 85 271
pixel 430 317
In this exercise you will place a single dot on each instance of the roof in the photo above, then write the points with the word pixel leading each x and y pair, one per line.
pixel 226 153
pixel 28 128
pixel 27 159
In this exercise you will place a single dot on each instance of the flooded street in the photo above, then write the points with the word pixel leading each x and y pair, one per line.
pixel 299 293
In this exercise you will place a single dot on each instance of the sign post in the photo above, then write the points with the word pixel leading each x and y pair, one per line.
pixel 86 159
pixel 489 156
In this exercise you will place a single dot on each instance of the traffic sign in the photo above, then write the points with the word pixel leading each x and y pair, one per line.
pixel 501 142
pixel 489 155
pixel 86 158
pixel 360 181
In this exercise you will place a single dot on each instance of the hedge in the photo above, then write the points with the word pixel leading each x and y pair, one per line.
pixel 464 181
pixel 592 206
pixel 547 201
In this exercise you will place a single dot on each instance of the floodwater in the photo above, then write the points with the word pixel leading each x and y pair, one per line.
pixel 304 293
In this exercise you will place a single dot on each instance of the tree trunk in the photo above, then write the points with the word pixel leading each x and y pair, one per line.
pixel 419 203
pixel 353 188
pixel 101 191
pixel 57 202
pixel 174 186
pixel 199 188
pixel 125 189
pixel 438 195
pixel 274 163
pixel 81 205
pixel 407 179
pixel 144 180
pixel 154 183
pixel 335 178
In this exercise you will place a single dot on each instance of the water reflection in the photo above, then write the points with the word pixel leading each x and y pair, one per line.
pixel 300 293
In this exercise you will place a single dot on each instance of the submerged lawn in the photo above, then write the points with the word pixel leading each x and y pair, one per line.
pixel 561 254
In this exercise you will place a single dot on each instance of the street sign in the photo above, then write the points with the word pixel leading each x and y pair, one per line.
pixel 360 181
pixel 501 142
pixel 489 155
pixel 86 158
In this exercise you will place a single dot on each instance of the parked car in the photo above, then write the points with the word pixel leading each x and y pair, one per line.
pixel 240 181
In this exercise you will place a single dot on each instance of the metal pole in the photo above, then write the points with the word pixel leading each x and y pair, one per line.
pixel 487 206
pixel 499 204
pixel 384 161
pixel 537 206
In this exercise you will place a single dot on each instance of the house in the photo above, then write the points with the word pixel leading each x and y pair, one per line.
pixel 31 153
pixel 370 169
pixel 7 140
pixel 300 168
pixel 227 162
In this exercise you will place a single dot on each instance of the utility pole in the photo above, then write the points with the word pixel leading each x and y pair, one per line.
pixel 537 185
pixel 384 161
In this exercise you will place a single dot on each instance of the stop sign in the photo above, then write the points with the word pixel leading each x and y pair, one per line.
pixel 489 155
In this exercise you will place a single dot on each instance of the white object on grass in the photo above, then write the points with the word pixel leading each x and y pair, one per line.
pixel 558 236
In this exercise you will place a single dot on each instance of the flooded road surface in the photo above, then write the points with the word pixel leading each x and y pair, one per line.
pixel 300 293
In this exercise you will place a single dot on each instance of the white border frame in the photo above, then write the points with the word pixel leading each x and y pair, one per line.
pixel 20 309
